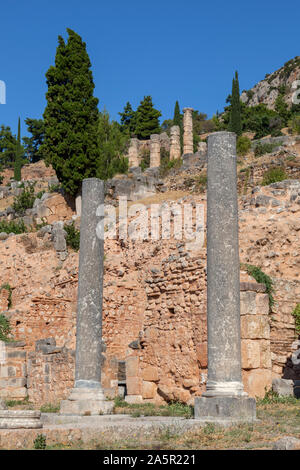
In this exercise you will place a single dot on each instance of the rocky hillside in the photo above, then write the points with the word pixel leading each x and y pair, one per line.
pixel 280 81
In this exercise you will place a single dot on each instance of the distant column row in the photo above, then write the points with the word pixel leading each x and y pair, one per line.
pixel 175 145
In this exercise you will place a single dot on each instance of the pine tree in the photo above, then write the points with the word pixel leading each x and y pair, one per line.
pixel 113 145
pixel 177 119
pixel 32 144
pixel 235 124
pixel 71 115
pixel 8 143
pixel 147 122
pixel 128 118
pixel 18 155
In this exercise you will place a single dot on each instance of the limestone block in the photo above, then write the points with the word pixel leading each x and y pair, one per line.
pixel 132 399
pixel 256 381
pixel 255 327
pixel 134 385
pixel 14 419
pixel 132 366
pixel 248 303
pixel 14 393
pixel 149 389
pixel 283 387
pixel 201 351
pixel 265 354
pixel 150 373
pixel 262 304
pixel 250 354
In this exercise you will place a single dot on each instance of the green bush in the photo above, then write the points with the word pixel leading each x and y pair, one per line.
pixel 40 442
pixel 73 236
pixel 40 194
pixel 49 408
pixel 274 175
pixel 262 149
pixel 25 200
pixel 261 278
pixel 294 125
pixel 272 397
pixel 296 315
pixel 54 188
pixel 9 290
pixel 243 145
pixel 202 182
pixel 13 227
pixel 4 329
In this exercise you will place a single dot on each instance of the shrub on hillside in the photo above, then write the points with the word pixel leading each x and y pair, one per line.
pixel 25 200
pixel 73 236
pixel 273 175
pixel 294 125
pixel 243 145
pixel 263 148
pixel 4 329
pixel 13 227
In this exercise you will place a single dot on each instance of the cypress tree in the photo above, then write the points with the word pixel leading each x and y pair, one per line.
pixel 177 121
pixel 147 122
pixel 18 157
pixel 71 115
pixel 235 124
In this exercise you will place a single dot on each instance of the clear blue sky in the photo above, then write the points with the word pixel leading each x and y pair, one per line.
pixel 169 49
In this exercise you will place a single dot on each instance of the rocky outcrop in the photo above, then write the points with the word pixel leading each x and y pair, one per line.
pixel 280 81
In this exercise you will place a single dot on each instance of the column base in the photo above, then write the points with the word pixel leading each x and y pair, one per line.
pixel 86 402
pixel 20 419
pixel 224 389
pixel 225 410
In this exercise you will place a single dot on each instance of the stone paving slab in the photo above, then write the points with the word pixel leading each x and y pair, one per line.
pixel 67 429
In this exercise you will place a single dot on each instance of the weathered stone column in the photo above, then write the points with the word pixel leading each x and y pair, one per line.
pixel 175 148
pixel 224 398
pixel 154 151
pixel 87 395
pixel 133 153
pixel 188 144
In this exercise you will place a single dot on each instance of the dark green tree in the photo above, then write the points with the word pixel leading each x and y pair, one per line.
pixel 113 145
pixel 19 155
pixel 128 119
pixel 8 143
pixel 177 119
pixel 147 119
pixel 282 108
pixel 235 124
pixel 71 115
pixel 32 144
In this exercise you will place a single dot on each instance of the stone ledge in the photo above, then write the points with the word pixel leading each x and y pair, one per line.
pixel 253 287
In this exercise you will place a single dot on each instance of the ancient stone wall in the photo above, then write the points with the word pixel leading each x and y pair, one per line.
pixel 171 360
pixel 50 375
pixel 283 337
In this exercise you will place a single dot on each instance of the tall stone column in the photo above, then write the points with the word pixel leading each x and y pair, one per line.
pixel 87 396
pixel 154 151
pixel 188 143
pixel 224 398
pixel 175 148
pixel 133 153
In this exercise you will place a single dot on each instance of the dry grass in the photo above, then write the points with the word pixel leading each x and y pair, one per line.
pixel 275 421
